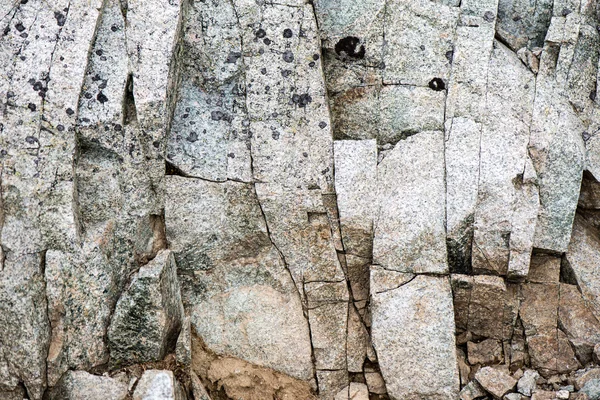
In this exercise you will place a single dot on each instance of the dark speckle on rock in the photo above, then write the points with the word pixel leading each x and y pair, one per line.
pixel 287 33
pixel 450 55
pixel 193 137
pixel 31 106
pixel 38 86
pixel 24 35
pixel 19 26
pixel 275 135
pixel 60 128
pixel 288 56
pixel 422 47
pixel 60 18
pixel 31 139
pixel 267 41
pixel 261 33
pixel 322 124
pixel 216 115
pixel 114 28
pixel 517 18
pixel 565 12
pixel 315 57
pixel 302 100
pixel 99 52
pixel 593 95
pixel 311 64
pixel 305 154
pixel 263 71
pixel 101 97
pixel 489 16
pixel 231 155
pixel 437 84
pixel 69 111
pixel 233 57
pixel 286 72
pixel 118 127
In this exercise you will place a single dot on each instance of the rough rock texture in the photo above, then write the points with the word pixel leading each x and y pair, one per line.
pixel 299 199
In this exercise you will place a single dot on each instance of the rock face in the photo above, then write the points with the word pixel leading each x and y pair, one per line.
pixel 293 199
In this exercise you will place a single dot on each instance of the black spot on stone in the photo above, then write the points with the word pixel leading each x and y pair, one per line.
pixel 38 86
pixel 593 95
pixel 450 55
pixel 231 155
pixel 302 100
pixel 311 64
pixel 31 106
pixel 19 26
pixel 60 128
pixel 322 124
pixel 586 136
pixel 31 81
pixel 70 111
pixel 96 78
pixel 103 58
pixel 565 12
pixel 261 51
pixel 6 30
pixel 348 46
pixel 288 56
pixel 489 16
pixel 24 35
pixel 99 52
pixel 62 58
pixel 285 73
pixel 184 116
pixel 437 84
pixel 315 57
pixel 287 33
pixel 216 115
pixel 31 139
pixel 3 152
pixel 275 135
pixel 103 84
pixel 517 18
pixel 233 57
pixel 118 127
pixel 60 18
pixel 114 28
pixel 267 41
pixel 305 154
pixel 193 137
pixel 263 71
pixel 422 47
pixel 101 97
pixel 261 33
pixel 24 1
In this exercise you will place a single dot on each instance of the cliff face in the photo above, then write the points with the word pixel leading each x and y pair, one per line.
pixel 327 199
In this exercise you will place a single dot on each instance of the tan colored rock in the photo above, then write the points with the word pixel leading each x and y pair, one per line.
pixel 495 382
pixel 463 367
pixel 355 391
pixel 80 385
pixel 543 395
pixel 486 352
pixel 578 322
pixel 375 383
pixel 581 378
pixel 544 269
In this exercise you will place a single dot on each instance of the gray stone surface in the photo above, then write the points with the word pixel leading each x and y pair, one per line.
pixel 80 385
pixel 148 317
pixel 413 330
pixel 241 298
pixel 409 228
pixel 158 385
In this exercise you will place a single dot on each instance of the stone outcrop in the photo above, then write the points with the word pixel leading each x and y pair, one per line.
pixel 294 199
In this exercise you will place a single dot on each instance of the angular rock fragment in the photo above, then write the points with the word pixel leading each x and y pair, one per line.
pixel 409 229
pixel 471 391
pixel 485 353
pixel 356 391
pixel 494 381
pixel 232 276
pixel 158 384
pixel 148 316
pixel 528 382
pixel 80 385
pixel 506 200
pixel 183 348
pixel 355 180
pixel 406 322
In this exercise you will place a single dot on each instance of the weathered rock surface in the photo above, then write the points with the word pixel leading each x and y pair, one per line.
pixel 328 199
pixel 413 329
pixel 148 317
pixel 79 385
